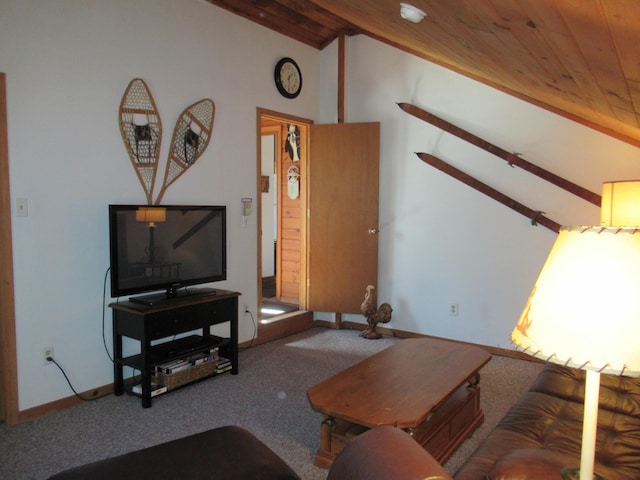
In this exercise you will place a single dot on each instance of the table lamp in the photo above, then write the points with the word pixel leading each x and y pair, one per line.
pixel 584 312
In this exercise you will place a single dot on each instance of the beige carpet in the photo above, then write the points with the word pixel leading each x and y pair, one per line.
pixel 268 398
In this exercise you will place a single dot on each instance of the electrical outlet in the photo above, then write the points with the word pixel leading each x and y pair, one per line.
pixel 453 309
pixel 47 352
pixel 22 207
pixel 246 309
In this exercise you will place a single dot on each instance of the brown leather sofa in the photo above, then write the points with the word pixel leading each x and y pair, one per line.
pixel 540 435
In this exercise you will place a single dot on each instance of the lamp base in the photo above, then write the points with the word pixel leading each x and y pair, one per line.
pixel 573 473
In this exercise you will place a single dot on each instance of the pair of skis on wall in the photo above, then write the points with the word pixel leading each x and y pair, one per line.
pixel 535 216
pixel 141 130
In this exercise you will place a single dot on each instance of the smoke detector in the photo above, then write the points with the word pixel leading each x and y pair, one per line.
pixel 411 13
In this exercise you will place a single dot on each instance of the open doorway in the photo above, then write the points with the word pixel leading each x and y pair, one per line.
pixel 282 159
pixel 330 210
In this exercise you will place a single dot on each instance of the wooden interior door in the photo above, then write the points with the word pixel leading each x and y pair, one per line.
pixel 342 255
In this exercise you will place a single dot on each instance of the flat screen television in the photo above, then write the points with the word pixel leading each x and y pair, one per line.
pixel 166 248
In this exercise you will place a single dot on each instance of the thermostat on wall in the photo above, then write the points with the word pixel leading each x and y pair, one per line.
pixel 246 207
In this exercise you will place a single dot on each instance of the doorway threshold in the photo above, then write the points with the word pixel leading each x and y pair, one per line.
pixel 281 316
pixel 272 308
pixel 284 325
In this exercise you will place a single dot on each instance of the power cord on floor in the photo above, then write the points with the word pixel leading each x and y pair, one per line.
pixel 104 341
pixel 255 330
pixel 53 360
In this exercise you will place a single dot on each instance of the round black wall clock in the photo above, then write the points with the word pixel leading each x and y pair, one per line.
pixel 288 77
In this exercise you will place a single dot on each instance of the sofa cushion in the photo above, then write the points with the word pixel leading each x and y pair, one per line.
pixel 538 421
pixel 530 464
pixel 617 394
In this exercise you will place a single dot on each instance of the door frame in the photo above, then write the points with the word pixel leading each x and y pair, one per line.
pixel 262 113
pixel 8 351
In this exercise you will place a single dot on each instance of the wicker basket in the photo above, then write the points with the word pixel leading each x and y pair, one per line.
pixel 191 374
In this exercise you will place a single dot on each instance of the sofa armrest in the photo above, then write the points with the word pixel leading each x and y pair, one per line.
pixel 385 453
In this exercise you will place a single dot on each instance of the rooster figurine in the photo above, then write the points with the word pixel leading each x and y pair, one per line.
pixel 373 314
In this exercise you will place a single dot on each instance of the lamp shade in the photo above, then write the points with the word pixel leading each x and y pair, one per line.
pixel 620 203
pixel 584 310
pixel 151 214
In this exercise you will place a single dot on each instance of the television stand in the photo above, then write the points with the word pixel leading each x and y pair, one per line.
pixel 150 323
pixel 168 297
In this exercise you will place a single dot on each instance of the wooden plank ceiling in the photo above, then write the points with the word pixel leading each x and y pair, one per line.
pixel 577 58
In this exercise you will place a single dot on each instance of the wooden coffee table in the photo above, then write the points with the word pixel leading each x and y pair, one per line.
pixel 428 387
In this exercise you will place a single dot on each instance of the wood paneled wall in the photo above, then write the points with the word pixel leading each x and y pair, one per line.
pixel 290 241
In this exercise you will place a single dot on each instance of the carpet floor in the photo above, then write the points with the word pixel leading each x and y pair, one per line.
pixel 267 397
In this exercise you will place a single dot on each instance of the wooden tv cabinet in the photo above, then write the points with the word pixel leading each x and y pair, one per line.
pixel 166 320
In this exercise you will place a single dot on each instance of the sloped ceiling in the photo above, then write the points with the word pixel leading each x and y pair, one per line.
pixel 577 58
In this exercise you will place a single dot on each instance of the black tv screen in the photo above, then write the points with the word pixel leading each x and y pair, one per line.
pixel 165 248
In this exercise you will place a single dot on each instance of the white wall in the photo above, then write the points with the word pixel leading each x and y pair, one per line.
pixel 269 205
pixel 68 64
pixel 442 242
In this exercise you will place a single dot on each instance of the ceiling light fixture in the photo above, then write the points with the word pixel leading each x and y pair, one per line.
pixel 411 13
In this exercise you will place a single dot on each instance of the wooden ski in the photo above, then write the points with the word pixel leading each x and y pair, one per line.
pixel 511 158
pixel 536 217
pixel 141 131
pixel 191 136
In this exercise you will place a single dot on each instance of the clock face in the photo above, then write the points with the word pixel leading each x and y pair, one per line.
pixel 288 78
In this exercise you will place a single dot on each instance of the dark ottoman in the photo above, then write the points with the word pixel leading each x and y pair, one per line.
pixel 225 453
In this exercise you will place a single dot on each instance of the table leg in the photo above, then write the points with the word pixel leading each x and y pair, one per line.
pixel 145 345
pixel 326 430
pixel 118 379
